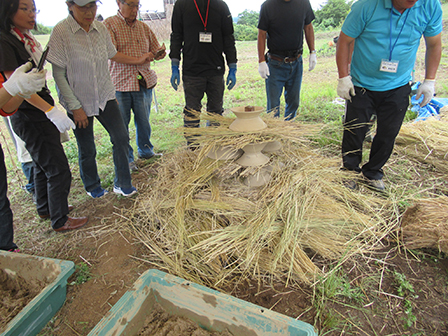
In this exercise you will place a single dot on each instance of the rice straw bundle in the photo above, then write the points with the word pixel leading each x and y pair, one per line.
pixel 426 141
pixel 209 228
pixel 425 225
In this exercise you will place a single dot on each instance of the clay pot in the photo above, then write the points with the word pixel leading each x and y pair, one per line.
pixel 272 146
pixel 247 119
pixel 253 156
pixel 258 179
pixel 224 153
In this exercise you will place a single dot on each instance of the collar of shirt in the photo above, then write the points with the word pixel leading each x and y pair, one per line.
pixel 126 21
pixel 74 26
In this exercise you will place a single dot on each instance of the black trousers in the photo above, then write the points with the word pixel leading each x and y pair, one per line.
pixel 390 108
pixel 52 176
pixel 194 90
pixel 6 228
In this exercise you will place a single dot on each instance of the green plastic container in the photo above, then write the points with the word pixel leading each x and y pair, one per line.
pixel 44 306
pixel 210 309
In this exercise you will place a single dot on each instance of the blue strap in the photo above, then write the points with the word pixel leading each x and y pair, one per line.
pixel 391 47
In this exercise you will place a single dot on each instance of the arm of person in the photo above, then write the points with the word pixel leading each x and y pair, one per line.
pixel 73 104
pixel 125 59
pixel 8 103
pixel 344 47
pixel 309 36
pixel 433 55
pixel 261 45
pixel 35 99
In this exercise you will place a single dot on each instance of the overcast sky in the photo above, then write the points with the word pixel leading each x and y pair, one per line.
pixel 53 11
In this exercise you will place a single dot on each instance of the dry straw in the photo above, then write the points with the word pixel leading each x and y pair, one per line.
pixel 201 223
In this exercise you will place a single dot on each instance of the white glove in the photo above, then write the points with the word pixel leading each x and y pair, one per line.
pixel 263 70
pixel 345 88
pixel 313 61
pixel 24 83
pixel 426 89
pixel 60 119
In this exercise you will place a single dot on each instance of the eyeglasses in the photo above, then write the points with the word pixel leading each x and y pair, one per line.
pixel 29 10
pixel 131 6
pixel 88 8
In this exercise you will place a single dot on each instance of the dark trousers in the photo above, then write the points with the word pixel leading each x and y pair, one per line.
pixel 6 228
pixel 390 108
pixel 52 176
pixel 194 90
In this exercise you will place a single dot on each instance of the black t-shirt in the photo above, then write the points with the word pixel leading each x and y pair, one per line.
pixel 284 22
pixel 12 55
pixel 199 58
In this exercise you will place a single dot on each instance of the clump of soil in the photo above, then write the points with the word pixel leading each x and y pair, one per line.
pixel 15 294
pixel 160 323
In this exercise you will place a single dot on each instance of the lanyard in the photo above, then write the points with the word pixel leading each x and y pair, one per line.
pixel 391 47
pixel 200 15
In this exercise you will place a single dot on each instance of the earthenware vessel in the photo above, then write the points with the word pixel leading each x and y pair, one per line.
pixel 224 153
pixel 247 119
pixel 253 156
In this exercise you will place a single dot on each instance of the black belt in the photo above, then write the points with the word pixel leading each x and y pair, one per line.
pixel 284 59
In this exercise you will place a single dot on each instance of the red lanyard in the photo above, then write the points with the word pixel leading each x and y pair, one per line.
pixel 200 15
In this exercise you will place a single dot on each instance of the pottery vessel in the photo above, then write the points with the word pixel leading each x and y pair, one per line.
pixel 253 156
pixel 247 119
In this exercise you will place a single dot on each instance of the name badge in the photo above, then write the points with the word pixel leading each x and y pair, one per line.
pixel 389 66
pixel 205 37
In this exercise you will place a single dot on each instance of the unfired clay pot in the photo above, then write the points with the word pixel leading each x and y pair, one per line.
pixel 224 153
pixel 272 146
pixel 253 156
pixel 259 179
pixel 247 119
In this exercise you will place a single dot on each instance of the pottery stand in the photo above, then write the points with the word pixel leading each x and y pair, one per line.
pixel 224 153
pixel 247 119
pixel 253 156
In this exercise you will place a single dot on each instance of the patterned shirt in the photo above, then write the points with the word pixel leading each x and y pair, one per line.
pixel 84 56
pixel 133 40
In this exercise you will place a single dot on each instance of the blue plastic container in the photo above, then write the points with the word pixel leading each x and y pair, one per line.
pixel 210 309
pixel 44 306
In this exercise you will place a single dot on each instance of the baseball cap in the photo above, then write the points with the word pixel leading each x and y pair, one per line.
pixel 83 2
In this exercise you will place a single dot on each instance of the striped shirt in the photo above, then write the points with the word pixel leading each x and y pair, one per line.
pixel 84 57
pixel 134 40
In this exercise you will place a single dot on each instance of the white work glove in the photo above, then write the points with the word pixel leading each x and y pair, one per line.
pixel 345 88
pixel 263 70
pixel 60 119
pixel 24 83
pixel 313 61
pixel 426 89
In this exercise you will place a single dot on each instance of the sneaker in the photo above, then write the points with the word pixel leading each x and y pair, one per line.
pixel 97 192
pixel 133 166
pixel 377 185
pixel 125 191
pixel 154 155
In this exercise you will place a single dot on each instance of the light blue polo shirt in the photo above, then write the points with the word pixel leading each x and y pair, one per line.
pixel 369 23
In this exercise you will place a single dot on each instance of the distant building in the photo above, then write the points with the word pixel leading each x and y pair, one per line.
pixel 159 22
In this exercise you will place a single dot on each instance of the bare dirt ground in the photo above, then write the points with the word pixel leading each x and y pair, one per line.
pixel 113 257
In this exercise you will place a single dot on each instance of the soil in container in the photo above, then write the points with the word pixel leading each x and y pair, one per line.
pixel 160 323
pixel 15 294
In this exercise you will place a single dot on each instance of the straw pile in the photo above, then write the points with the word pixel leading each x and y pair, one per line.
pixel 425 141
pixel 425 225
pixel 201 223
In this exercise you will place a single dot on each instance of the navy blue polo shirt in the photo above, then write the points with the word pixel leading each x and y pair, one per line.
pixel 369 23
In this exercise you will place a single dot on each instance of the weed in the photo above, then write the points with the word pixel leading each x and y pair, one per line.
pixel 82 274
pixel 406 290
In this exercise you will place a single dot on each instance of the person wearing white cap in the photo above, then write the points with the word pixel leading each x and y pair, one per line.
pixel 80 48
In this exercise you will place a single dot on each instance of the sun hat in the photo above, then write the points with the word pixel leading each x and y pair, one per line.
pixel 83 2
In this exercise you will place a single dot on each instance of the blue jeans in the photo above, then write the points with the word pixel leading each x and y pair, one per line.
pixel 140 103
pixel 112 121
pixel 28 171
pixel 288 76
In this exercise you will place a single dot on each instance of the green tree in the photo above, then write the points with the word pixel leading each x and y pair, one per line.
pixel 245 33
pixel 332 14
pixel 248 18
pixel 42 30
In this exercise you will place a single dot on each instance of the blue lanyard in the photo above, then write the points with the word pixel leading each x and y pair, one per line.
pixel 391 47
